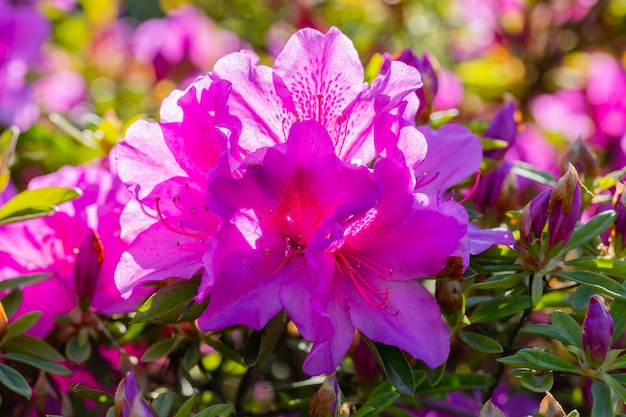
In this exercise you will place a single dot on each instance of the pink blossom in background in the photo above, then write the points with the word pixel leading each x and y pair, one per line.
pixel 450 91
pixel 23 31
pixel 50 245
pixel 185 36
pixel 564 112
pixel 60 91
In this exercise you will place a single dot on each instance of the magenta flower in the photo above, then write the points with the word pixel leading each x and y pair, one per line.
pixel 342 250
pixel 163 165
pixel 320 77
pixel 80 246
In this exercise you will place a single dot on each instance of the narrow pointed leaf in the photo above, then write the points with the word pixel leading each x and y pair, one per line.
pixel 598 282
pixel 219 410
pixel 35 203
pixel 14 381
pixel 39 363
pixel 592 229
pixel 479 342
pixel 395 365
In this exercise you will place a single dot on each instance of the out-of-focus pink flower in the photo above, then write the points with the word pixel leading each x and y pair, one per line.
pixel 606 92
pixel 60 91
pixel 185 34
pixel 51 245
pixel 564 112
pixel 450 91
pixel 23 30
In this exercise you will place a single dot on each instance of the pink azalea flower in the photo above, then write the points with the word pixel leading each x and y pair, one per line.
pixel 52 245
pixel 163 165
pixel 342 250
pixel 319 77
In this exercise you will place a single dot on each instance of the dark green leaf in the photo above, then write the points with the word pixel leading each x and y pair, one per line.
pixel 602 400
pixel 39 363
pixel 23 281
pixel 536 288
pixel 596 281
pixel 168 302
pixel 186 408
pixel 479 342
pixel 615 385
pixel 537 382
pixel 12 301
pixel 14 381
pixel 162 404
pixel 219 410
pixel 433 376
pixel 618 312
pixel 395 365
pixel 515 362
pixel 32 346
pixel 223 350
pixel 614 267
pixel 78 348
pixel 590 230
pixel 161 348
pixel 458 382
pixel 550 331
pixel 377 404
pixel 22 324
pixel 528 171
pixel 261 343
pixel 192 355
pixel 35 203
pixel 546 361
pixel 499 281
pixel 499 308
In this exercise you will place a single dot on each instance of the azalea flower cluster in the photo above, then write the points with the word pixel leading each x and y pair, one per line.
pixel 300 187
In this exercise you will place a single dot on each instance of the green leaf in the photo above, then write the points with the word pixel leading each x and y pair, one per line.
pixel 479 342
pixel 614 267
pixel 528 171
pixel 78 348
pixel 162 404
pixel 546 361
pixel 219 410
pixel 8 140
pixel 537 382
pixel 499 281
pixel 161 348
pixel 12 301
pixel 433 376
pixel 536 288
pixel 222 349
pixel 191 356
pixel 602 400
pixel 39 363
pixel 261 343
pixel 23 281
pixel 395 365
pixel 377 404
pixel 596 281
pixel 618 312
pixel 500 307
pixel 166 304
pixel 616 386
pixel 186 408
pixel 32 346
pixel 590 230
pixel 550 331
pixel 14 381
pixel 22 324
pixel 35 203
pixel 458 382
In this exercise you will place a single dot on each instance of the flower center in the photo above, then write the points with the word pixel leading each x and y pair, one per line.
pixel 351 265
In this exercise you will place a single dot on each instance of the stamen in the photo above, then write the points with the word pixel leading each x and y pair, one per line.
pixel 178 230
pixel 471 192
pixel 367 291
pixel 424 182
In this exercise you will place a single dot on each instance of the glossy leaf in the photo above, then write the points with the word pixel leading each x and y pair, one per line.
pixel 23 281
pixel 39 363
pixel 161 348
pixel 598 282
pixel 614 267
pixel 185 409
pixel 528 171
pixel 219 410
pixel 377 404
pixel 537 382
pixel 22 324
pixel 499 308
pixel 261 343
pixel 35 203
pixel 569 325
pixel 590 230
pixel 499 281
pixel 479 342
pixel 395 365
pixel 602 400
pixel 78 348
pixel 167 303
pixel 14 381
pixel 32 346
pixel 615 385
pixel 546 361
pixel 550 331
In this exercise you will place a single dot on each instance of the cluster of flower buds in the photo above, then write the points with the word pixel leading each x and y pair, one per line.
pixel 560 208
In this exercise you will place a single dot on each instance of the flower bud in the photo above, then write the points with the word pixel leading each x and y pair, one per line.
pixel 125 395
pixel 619 226
pixel 533 219
pixel 502 127
pixel 564 208
pixel 583 158
pixel 4 322
pixel 597 331
pixel 87 266
pixel 427 93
